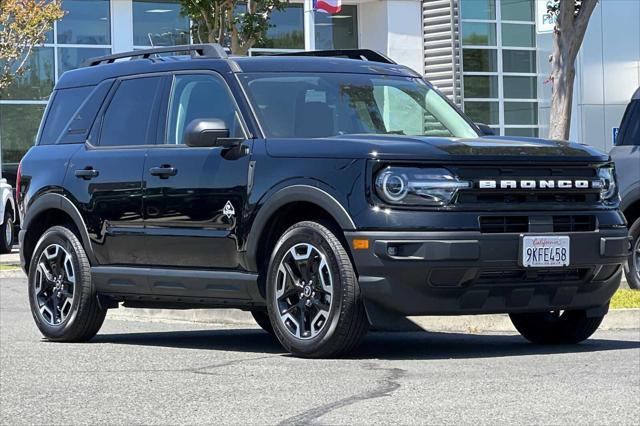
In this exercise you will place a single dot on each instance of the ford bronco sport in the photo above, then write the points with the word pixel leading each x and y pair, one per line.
pixel 322 191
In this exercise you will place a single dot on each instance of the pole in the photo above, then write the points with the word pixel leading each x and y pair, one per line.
pixel 309 26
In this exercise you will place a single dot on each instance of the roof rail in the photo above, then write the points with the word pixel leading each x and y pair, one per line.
pixel 359 54
pixel 213 50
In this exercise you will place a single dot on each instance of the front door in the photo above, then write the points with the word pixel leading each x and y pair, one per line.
pixel 195 196
pixel 105 175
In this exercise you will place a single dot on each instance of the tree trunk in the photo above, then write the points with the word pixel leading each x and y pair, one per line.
pixel 567 39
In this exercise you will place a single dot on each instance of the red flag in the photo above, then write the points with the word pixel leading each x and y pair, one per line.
pixel 327 6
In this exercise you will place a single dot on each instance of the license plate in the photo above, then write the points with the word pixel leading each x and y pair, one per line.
pixel 545 251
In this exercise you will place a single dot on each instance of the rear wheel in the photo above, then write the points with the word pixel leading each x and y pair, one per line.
pixel 63 301
pixel 313 296
pixel 556 327
pixel 632 268
pixel 6 232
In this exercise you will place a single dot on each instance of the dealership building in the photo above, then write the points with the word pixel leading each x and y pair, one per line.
pixel 489 56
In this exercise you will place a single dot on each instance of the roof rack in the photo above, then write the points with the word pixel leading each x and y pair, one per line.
pixel 213 50
pixel 359 54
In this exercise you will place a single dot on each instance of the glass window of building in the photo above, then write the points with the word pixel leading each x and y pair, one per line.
pixel 159 23
pixel 18 129
pixel 339 31
pixel 85 22
pixel 499 65
pixel 37 81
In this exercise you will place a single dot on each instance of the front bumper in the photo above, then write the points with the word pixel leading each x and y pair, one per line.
pixel 449 273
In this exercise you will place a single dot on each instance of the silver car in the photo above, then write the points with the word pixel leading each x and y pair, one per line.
pixel 626 154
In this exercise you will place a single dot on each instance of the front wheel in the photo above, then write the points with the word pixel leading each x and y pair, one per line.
pixel 63 301
pixel 556 327
pixel 313 297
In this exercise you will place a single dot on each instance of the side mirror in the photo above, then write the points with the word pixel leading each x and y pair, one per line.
pixel 486 130
pixel 205 132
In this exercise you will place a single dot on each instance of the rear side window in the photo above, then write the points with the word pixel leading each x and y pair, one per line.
pixel 63 106
pixel 630 128
pixel 130 118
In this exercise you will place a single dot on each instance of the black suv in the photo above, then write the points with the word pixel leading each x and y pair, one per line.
pixel 323 194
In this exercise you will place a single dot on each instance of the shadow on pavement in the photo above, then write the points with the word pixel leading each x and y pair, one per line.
pixel 377 345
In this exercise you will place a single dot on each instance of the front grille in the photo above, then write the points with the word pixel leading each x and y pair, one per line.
pixel 504 224
pixel 519 198
pixel 521 224
pixel 574 223
pixel 531 275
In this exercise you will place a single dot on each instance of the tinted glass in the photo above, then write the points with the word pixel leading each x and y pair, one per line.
pixel 70 58
pixel 519 35
pixel 480 86
pixel 517 10
pixel 482 112
pixel 326 105
pixel 630 129
pixel 519 61
pixel 200 96
pixel 159 23
pixel 478 34
pixel 287 29
pixel 63 106
pixel 528 132
pixel 86 22
pixel 18 131
pixel 520 113
pixel 339 31
pixel 520 87
pixel 480 60
pixel 37 80
pixel 130 116
pixel 478 9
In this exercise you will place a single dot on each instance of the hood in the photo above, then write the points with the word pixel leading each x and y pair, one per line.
pixel 392 147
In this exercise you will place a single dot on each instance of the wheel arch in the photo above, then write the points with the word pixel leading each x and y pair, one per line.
pixel 631 211
pixel 49 210
pixel 290 205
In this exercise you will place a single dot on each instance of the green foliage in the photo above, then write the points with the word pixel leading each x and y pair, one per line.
pixel 23 25
pixel 240 24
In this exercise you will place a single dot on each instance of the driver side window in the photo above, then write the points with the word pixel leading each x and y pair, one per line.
pixel 200 96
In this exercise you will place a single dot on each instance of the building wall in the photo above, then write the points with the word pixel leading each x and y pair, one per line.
pixel 608 73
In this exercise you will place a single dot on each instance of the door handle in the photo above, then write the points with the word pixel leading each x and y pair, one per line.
pixel 87 173
pixel 164 171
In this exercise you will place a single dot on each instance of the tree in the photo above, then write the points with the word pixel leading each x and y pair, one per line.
pixel 23 25
pixel 572 18
pixel 240 23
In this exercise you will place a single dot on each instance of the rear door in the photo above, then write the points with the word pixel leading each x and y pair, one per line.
pixel 195 196
pixel 105 175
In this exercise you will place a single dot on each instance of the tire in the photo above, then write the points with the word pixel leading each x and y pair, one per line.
pixel 333 318
pixel 6 232
pixel 63 301
pixel 556 328
pixel 262 319
pixel 632 268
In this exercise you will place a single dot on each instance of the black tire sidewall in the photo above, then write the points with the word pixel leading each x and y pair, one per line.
pixel 66 239
pixel 5 246
pixel 630 273
pixel 296 235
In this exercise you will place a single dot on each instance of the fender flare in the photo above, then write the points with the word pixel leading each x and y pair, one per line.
pixel 630 197
pixel 290 194
pixel 7 198
pixel 56 201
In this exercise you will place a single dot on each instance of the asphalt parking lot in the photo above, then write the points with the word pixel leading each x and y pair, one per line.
pixel 145 372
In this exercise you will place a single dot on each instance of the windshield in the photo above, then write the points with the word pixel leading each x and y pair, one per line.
pixel 323 105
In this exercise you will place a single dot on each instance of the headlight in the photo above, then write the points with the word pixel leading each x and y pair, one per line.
pixel 414 186
pixel 607 184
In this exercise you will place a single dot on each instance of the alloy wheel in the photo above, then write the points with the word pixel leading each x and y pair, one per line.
pixel 54 287
pixel 8 233
pixel 636 258
pixel 304 291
